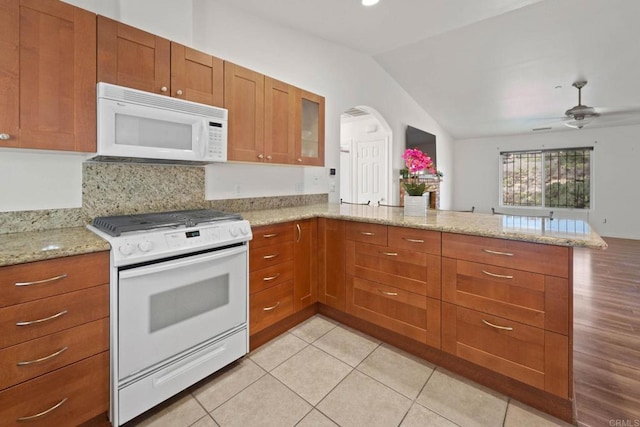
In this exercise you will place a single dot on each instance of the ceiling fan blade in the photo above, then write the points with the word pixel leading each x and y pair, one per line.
pixel 608 111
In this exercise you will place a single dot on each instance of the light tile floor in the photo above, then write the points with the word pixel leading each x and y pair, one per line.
pixel 321 373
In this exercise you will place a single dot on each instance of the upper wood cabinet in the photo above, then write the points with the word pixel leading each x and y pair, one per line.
pixel 271 121
pixel 244 98
pixel 130 57
pixel 310 129
pixel 47 76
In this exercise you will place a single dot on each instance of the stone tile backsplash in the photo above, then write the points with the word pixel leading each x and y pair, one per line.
pixel 122 188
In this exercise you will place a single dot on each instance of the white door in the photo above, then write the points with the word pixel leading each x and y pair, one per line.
pixel 369 174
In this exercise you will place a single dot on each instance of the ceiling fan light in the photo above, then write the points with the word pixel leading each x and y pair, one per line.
pixel 578 123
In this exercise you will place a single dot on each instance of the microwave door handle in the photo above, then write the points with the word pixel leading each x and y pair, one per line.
pixel 203 138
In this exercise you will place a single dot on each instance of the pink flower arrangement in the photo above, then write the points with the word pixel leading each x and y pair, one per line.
pixel 416 161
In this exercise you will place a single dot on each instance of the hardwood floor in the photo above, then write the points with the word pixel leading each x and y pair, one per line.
pixel 607 334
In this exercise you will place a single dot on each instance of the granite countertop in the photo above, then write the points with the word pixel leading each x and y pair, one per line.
pixel 17 248
pixel 559 231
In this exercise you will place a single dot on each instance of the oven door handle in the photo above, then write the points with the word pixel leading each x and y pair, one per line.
pixel 183 262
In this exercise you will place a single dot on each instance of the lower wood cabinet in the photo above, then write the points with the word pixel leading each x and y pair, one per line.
pixel 305 264
pixel 54 341
pixel 270 306
pixel 64 397
pixel 331 263
pixel 528 354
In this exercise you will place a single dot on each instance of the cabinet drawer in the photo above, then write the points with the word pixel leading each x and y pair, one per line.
pixel 271 235
pixel 269 306
pixel 415 272
pixel 409 314
pixel 368 233
pixel 529 298
pixel 538 258
pixel 416 240
pixel 267 277
pixel 83 389
pixel 28 360
pixel 528 354
pixel 268 256
pixel 27 282
pixel 52 314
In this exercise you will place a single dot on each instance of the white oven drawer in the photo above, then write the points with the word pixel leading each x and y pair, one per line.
pixel 137 397
pixel 172 306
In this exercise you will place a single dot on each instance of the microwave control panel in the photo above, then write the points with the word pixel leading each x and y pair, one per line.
pixel 217 144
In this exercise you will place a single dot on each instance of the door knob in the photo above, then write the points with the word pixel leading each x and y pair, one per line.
pixel 163 89
pixel 178 92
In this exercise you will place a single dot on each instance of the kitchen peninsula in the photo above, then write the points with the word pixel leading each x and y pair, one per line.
pixel 486 296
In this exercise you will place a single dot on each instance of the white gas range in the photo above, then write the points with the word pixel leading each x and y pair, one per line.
pixel 179 305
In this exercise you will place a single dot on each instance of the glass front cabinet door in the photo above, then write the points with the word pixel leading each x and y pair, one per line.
pixel 310 143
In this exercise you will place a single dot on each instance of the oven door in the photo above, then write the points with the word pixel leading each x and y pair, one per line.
pixel 171 306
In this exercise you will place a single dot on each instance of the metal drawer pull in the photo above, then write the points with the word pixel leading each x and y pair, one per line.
pixel 501 276
pixel 274 277
pixel 389 253
pixel 497 253
pixel 37 282
pixel 43 413
pixel 273 307
pixel 367 233
pixel 270 256
pixel 413 240
pixel 31 322
pixel 42 359
pixel 268 236
pixel 504 328
pixel 299 233
pixel 391 294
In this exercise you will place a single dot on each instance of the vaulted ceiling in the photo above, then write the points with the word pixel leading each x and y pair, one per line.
pixel 488 67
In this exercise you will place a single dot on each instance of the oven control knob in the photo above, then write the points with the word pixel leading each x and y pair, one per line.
pixel 145 246
pixel 126 249
pixel 234 231
pixel 244 230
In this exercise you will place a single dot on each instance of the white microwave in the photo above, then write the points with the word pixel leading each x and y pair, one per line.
pixel 137 125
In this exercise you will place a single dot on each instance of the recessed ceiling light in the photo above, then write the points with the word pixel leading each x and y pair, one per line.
pixel 369 2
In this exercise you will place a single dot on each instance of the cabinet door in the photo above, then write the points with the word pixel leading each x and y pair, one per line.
pixel 279 122
pixel 244 98
pixel 305 274
pixel 133 58
pixel 331 263
pixel 310 132
pixel 196 76
pixel 47 76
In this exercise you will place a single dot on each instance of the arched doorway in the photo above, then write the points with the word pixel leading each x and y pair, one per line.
pixel 365 156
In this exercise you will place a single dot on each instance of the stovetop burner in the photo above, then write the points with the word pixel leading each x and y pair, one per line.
pixel 118 224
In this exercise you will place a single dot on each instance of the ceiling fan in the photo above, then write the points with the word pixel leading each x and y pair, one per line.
pixel 576 116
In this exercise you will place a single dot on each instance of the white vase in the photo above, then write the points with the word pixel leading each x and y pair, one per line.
pixel 416 205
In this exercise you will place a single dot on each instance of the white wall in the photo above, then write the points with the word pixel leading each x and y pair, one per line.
pixel 616 196
pixel 344 77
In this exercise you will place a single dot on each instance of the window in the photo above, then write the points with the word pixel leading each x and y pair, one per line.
pixel 547 178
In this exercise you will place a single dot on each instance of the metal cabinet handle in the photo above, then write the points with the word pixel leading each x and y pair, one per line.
pixel 299 233
pixel 501 276
pixel 413 240
pixel 163 89
pixel 268 236
pixel 269 157
pixel 178 92
pixel 299 160
pixel 489 251
pixel 274 277
pixel 391 294
pixel 5 136
pixel 261 156
pixel 389 253
pixel 367 233
pixel 43 359
pixel 43 413
pixel 504 328
pixel 273 307
pixel 31 322
pixel 270 256
pixel 37 282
